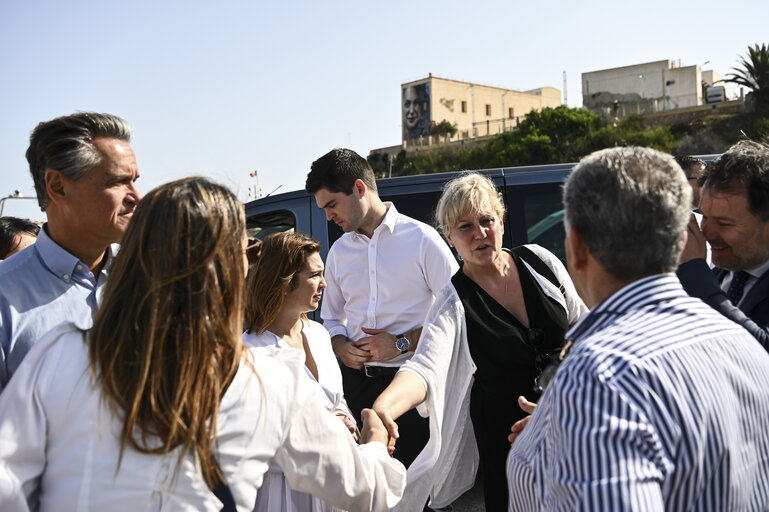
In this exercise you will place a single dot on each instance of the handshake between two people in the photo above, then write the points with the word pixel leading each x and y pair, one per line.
pixel 381 420
pixel 375 430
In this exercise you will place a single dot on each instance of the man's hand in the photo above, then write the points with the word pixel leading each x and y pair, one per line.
pixel 349 353
pixel 380 344
pixel 519 425
pixel 373 428
pixel 694 247
pixel 390 425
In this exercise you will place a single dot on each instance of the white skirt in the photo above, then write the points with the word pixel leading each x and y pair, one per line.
pixel 275 495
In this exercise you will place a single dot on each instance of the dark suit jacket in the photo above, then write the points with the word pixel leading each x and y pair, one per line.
pixel 701 281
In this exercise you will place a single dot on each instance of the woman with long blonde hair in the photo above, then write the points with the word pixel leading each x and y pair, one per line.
pixel 160 400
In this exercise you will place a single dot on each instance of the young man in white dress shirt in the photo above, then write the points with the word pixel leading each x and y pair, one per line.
pixel 382 276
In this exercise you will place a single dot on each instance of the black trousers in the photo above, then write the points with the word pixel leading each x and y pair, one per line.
pixel 360 392
pixel 492 418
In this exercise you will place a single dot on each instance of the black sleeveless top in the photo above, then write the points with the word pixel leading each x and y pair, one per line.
pixel 498 342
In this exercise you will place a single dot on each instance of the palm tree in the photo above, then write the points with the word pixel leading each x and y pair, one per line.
pixel 754 74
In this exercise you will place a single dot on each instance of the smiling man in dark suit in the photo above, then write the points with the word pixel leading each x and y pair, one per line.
pixel 735 209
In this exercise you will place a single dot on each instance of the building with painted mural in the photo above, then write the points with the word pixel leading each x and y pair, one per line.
pixel 475 110
pixel 646 88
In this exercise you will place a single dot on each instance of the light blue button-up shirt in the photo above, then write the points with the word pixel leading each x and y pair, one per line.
pixel 40 287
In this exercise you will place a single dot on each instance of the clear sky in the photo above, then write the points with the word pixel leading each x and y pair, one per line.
pixel 225 88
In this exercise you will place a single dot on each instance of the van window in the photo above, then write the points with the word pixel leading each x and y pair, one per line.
pixel 541 209
pixel 260 226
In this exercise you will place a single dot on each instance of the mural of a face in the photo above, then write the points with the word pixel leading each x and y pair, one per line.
pixel 411 108
pixel 416 111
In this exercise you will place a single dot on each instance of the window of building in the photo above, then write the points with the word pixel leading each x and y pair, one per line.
pixel 464 107
pixel 510 113
pixel 488 109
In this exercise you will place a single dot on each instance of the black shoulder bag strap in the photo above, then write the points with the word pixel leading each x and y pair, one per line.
pixel 537 264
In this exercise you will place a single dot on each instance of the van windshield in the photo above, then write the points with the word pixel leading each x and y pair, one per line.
pixel 261 226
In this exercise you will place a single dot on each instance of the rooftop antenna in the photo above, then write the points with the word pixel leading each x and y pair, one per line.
pixel 273 191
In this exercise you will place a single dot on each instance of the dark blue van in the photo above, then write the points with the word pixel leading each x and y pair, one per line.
pixel 532 196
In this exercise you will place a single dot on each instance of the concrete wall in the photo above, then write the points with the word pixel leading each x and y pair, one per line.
pixel 644 88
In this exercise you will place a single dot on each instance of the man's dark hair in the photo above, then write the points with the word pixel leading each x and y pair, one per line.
pixel 687 162
pixel 337 171
pixel 66 144
pixel 744 165
pixel 10 228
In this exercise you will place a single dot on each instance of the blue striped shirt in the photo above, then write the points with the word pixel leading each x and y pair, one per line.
pixel 661 404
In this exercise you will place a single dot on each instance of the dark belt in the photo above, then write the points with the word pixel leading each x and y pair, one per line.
pixel 379 371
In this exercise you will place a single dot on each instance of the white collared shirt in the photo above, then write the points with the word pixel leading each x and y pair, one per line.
pixel 60 443
pixel 754 272
pixel 387 281
pixel 329 377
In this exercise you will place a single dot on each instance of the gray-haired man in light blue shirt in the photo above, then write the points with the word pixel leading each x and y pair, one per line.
pixel 84 172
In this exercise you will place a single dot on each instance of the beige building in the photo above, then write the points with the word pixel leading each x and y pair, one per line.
pixel 476 110
pixel 645 88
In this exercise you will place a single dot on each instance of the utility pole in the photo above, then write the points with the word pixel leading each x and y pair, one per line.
pixel 565 90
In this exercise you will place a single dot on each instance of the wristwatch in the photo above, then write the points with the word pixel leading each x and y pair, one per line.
pixel 402 343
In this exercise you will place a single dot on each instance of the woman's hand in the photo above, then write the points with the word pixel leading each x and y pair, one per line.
pixel 373 428
pixel 519 425
pixel 350 424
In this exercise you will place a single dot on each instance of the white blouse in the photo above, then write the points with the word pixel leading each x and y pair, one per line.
pixel 276 493
pixel 59 442
pixel 319 341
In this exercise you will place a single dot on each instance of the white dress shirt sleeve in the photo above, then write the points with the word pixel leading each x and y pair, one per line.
pixel 438 262
pixel 332 309
pixel 318 456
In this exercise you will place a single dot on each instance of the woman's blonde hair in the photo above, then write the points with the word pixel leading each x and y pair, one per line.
pixel 280 258
pixel 470 192
pixel 166 342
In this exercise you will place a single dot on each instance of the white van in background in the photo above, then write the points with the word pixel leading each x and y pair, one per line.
pixel 715 94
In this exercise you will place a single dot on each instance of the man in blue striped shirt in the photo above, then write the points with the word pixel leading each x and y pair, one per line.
pixel 660 403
